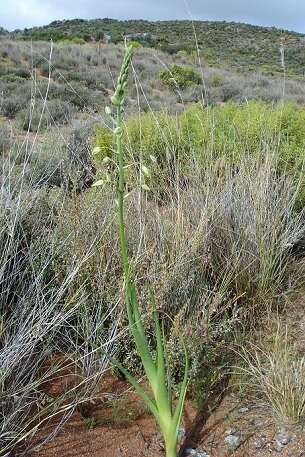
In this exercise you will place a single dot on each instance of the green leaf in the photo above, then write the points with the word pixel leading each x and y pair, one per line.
pixel 138 388
pixel 179 406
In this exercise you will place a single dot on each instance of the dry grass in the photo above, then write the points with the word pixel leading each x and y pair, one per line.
pixel 38 321
pixel 273 374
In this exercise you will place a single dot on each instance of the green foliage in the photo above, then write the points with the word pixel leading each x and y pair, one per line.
pixel 72 40
pixel 89 422
pixel 13 104
pixel 231 132
pixel 135 44
pixel 177 77
pixel 216 80
pixel 157 152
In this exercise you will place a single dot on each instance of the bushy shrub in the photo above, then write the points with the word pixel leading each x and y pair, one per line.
pixel 11 105
pixel 79 169
pixel 230 131
pixel 232 90
pixel 5 138
pixel 192 94
pixel 174 48
pixel 216 80
pixel 42 115
pixel 22 73
pixel 81 97
pixel 177 77
pixel 143 145
pixel 47 167
pixel 36 321
pixel 272 373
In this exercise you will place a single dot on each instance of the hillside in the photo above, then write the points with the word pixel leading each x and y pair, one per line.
pixel 81 80
pixel 240 45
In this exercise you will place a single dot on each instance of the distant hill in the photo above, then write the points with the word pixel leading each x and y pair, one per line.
pixel 240 45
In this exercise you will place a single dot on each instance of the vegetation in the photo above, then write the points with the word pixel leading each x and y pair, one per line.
pixel 210 188
pixel 180 77
pixel 155 369
pixel 78 81
pixel 241 45
pixel 274 376
pixel 230 132
pixel 209 249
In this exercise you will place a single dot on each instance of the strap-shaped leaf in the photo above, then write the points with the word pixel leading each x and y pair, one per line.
pixel 139 337
pixel 179 407
pixel 161 394
pixel 138 388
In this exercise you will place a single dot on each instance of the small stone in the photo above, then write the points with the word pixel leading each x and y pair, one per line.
pixel 283 438
pixel 243 410
pixel 258 444
pixel 195 453
pixel 233 441
pixel 231 431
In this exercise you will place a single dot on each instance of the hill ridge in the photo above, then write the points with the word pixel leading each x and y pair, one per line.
pixel 245 46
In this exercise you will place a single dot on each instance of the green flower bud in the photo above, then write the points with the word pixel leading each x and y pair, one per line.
pixel 145 171
pixel 96 150
pixel 145 187
pixel 115 100
pixel 98 183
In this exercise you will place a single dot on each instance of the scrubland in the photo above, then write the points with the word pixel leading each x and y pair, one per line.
pixel 217 230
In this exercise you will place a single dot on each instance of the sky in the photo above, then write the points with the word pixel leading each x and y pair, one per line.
pixel 288 14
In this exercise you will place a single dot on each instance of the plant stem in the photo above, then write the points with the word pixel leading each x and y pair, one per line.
pixel 120 196
pixel 155 368
pixel 171 449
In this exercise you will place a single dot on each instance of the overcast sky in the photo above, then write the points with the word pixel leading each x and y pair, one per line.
pixel 288 14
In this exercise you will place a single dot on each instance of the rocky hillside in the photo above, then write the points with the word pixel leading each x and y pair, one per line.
pixel 244 46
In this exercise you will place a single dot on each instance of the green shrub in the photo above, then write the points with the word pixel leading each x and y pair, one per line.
pixel 22 73
pixel 79 170
pixel 136 44
pixel 225 133
pixel 72 40
pixel 177 77
pixel 216 80
pixel 175 48
pixel 143 145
